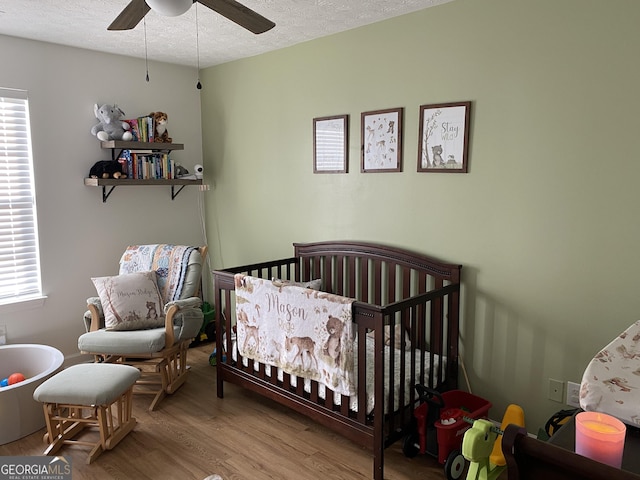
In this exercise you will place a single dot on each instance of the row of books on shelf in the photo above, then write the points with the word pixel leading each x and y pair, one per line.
pixel 147 165
pixel 142 128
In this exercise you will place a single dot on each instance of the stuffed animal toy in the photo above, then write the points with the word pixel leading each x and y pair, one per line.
pixel 181 171
pixel 110 126
pixel 107 169
pixel 160 120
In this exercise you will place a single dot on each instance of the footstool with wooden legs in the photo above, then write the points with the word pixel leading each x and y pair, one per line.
pixel 88 395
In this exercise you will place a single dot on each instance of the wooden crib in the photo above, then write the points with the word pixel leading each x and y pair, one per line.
pixel 406 318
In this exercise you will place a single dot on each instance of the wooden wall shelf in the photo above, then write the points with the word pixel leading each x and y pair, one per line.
pixel 121 144
pixel 113 183
pixel 117 146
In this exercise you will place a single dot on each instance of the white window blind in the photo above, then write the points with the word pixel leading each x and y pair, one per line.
pixel 19 257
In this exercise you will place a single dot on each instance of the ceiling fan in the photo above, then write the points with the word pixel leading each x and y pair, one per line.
pixel 234 11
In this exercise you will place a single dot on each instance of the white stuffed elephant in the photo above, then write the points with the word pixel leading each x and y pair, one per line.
pixel 110 126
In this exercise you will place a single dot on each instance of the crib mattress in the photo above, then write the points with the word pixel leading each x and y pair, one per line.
pixel 611 381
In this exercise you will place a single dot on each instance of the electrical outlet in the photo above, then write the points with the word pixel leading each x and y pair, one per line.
pixel 556 390
pixel 573 394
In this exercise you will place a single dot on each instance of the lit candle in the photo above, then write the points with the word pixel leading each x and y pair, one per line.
pixel 600 437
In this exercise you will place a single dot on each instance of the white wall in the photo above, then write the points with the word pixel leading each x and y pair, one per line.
pixel 81 237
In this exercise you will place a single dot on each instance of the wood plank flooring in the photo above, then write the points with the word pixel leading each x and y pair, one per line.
pixel 194 434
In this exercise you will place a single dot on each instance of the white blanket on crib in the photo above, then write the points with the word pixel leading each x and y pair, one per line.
pixel 304 332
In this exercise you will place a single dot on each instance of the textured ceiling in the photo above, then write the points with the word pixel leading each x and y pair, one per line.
pixel 83 23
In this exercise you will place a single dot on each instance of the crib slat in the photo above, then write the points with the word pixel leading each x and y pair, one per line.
pixel 327 270
pixel 338 281
pixel 376 281
pixel 344 405
pixel 391 282
pixel 364 279
pixel 315 267
pixel 392 380
pixel 298 269
pixel 362 372
pixel 299 386
pixel 351 275
pixel 453 332
pixel 403 321
pixel 420 313
pixel 437 330
pixel 413 321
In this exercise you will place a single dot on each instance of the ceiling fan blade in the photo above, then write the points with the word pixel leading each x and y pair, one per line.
pixel 130 16
pixel 238 13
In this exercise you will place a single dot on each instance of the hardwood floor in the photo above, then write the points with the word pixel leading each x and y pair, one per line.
pixel 194 434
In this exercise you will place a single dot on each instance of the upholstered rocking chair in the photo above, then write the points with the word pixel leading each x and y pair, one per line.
pixel 147 315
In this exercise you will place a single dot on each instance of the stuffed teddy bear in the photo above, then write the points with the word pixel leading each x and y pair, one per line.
pixel 160 121
pixel 107 169
pixel 110 126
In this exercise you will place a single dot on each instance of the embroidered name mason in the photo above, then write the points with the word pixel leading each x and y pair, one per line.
pixel 287 309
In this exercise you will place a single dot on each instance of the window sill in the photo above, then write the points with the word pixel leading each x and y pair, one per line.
pixel 26 303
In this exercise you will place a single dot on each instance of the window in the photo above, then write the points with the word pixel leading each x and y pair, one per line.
pixel 19 257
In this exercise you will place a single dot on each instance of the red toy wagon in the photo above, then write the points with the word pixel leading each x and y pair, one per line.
pixel 440 426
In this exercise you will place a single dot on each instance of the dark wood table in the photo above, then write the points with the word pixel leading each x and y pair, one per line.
pixel 565 438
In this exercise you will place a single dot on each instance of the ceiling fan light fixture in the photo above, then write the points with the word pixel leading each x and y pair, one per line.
pixel 170 8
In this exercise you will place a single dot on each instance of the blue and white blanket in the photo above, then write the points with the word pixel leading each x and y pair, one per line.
pixel 168 261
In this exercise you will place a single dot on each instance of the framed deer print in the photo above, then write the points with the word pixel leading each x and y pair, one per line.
pixel 382 141
pixel 444 137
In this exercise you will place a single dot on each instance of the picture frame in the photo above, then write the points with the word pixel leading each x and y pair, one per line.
pixel 444 137
pixel 381 146
pixel 331 144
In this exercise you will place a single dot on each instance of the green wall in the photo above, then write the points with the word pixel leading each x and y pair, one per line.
pixel 545 222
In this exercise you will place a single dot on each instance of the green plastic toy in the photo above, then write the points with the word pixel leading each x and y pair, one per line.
pixel 482 445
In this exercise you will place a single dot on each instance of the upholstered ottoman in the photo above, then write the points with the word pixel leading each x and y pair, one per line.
pixel 88 395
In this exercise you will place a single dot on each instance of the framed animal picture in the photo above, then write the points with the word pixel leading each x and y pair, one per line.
pixel 382 140
pixel 444 137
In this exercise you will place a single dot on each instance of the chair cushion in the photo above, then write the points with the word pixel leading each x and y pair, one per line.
pixel 87 384
pixel 193 275
pixel 111 342
pixel 131 301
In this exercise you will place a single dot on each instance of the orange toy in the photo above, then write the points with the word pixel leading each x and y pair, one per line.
pixel 15 378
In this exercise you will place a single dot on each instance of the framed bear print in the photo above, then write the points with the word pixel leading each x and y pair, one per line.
pixel 444 137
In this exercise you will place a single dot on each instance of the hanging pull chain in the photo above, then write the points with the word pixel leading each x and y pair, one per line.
pixel 146 57
pixel 198 85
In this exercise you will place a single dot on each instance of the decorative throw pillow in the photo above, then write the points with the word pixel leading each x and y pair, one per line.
pixel 130 301
pixel 312 284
